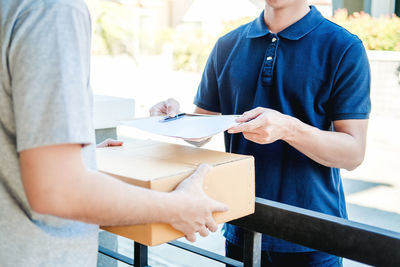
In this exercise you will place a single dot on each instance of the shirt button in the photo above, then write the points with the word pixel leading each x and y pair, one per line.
pixel 269 58
pixel 274 40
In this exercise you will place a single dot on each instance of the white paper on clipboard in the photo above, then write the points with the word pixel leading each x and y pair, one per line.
pixel 187 127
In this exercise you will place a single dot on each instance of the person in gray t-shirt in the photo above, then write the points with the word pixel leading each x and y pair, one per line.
pixel 51 197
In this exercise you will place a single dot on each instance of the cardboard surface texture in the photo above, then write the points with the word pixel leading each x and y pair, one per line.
pixel 162 166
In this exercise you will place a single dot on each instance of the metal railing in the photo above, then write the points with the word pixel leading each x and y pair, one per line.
pixel 356 241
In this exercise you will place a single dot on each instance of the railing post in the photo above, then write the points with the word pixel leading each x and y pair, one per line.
pixel 251 249
pixel 140 255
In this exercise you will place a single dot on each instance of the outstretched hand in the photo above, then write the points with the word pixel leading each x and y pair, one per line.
pixel 195 207
pixel 262 125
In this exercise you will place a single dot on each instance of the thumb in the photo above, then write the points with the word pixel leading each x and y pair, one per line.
pixel 219 206
pixel 250 115
pixel 200 173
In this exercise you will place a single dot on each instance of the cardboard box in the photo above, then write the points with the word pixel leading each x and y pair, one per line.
pixel 162 166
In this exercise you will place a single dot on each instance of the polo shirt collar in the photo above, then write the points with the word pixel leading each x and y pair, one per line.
pixel 258 28
pixel 294 32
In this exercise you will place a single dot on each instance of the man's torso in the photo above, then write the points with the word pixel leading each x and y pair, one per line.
pixel 28 238
pixel 293 72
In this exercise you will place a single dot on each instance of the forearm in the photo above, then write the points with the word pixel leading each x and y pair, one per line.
pixel 329 148
pixel 100 199
pixel 80 194
pixel 56 182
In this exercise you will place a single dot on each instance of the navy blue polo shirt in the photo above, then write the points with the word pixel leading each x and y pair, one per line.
pixel 313 70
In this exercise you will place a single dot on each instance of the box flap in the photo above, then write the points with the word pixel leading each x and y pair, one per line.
pixel 148 160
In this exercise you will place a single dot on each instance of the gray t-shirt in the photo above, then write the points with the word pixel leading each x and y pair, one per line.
pixel 45 99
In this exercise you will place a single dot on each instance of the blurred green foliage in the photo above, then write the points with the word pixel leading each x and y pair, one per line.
pixel 128 30
pixel 121 30
pixel 381 33
pixel 192 45
pixel 114 33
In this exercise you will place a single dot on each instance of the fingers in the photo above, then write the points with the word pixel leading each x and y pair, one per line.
pixel 198 140
pixel 203 231
pixel 211 224
pixel 191 237
pixel 169 107
pixel 238 129
pixel 172 107
pixel 249 121
pixel 198 207
pixel 110 142
pixel 157 110
pixel 252 137
pixel 249 126
pixel 244 127
pixel 258 138
pixel 250 115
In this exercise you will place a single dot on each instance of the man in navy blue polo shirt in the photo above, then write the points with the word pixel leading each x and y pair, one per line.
pixel 302 84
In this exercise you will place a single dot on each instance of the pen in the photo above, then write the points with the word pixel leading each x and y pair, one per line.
pixel 177 116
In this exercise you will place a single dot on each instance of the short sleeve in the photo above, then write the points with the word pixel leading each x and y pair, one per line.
pixel 207 96
pixel 350 98
pixel 49 65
